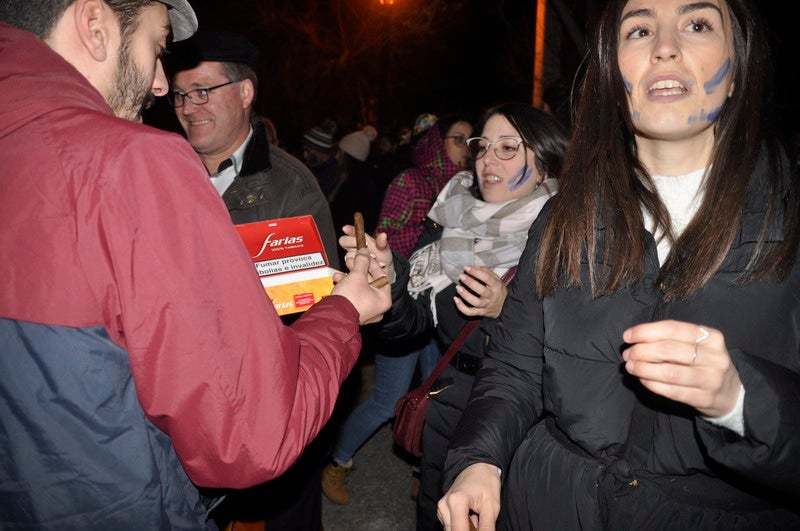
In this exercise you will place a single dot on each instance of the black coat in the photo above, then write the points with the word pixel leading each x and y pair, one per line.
pixel 407 318
pixel 411 317
pixel 553 390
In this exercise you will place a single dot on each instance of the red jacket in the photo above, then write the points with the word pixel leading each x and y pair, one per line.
pixel 112 224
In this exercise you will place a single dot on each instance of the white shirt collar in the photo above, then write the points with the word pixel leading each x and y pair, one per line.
pixel 223 179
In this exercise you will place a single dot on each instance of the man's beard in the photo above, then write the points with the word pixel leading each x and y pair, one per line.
pixel 132 92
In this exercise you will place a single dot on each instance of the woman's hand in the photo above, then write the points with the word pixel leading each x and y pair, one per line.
pixel 685 362
pixel 378 248
pixel 473 502
pixel 486 293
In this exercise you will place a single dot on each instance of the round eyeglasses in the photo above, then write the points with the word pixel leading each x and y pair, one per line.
pixel 196 96
pixel 504 148
pixel 458 140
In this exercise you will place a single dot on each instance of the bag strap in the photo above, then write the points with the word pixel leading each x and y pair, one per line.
pixel 459 340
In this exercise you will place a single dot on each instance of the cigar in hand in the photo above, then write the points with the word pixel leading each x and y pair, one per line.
pixel 380 282
pixel 361 243
pixel 361 236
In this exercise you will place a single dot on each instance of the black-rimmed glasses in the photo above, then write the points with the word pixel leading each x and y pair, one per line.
pixel 505 147
pixel 196 96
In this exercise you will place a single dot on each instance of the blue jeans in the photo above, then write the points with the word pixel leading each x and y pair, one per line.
pixel 393 375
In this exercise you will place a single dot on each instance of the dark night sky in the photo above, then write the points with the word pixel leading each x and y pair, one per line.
pixel 343 59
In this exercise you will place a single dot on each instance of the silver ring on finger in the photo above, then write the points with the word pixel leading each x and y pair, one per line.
pixel 703 336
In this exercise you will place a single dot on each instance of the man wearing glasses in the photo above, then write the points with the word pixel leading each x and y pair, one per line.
pixel 213 89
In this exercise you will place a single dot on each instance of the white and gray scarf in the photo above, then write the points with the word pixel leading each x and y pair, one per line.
pixel 476 233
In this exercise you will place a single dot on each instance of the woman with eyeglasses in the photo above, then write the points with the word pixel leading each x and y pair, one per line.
pixel 476 231
pixel 644 372
pixel 437 154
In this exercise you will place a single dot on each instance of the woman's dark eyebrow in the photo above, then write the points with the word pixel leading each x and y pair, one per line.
pixel 696 6
pixel 682 10
pixel 644 12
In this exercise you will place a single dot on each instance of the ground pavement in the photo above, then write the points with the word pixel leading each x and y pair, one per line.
pixel 379 483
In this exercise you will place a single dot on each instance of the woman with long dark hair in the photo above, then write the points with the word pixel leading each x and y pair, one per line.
pixel 474 233
pixel 645 370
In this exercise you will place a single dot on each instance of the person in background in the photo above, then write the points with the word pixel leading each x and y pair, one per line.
pixel 213 89
pixel 644 372
pixel 319 154
pixel 258 181
pixel 393 153
pixel 404 157
pixel 439 154
pixel 474 234
pixel 357 187
pixel 141 356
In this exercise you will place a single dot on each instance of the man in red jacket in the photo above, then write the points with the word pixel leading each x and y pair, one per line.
pixel 141 356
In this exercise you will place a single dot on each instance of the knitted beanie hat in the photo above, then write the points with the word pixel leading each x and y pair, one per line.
pixel 320 137
pixel 357 143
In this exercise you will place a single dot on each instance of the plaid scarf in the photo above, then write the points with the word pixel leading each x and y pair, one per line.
pixel 476 233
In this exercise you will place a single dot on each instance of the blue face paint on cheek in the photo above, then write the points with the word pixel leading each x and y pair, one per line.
pixel 714 114
pixel 711 85
pixel 629 91
pixel 706 116
pixel 520 178
pixel 628 86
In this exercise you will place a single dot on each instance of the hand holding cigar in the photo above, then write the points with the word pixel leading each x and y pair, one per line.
pixel 361 243
pixel 361 235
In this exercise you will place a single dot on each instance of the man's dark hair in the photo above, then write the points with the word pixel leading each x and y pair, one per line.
pixel 40 16
pixel 36 16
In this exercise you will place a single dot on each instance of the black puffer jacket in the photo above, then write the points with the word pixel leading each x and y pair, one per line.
pixel 553 387
pixel 410 317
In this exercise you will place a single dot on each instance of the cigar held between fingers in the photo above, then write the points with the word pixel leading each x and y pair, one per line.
pixel 380 282
pixel 361 236
pixel 361 243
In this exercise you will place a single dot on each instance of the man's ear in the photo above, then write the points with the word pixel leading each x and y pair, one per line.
pixel 95 22
pixel 247 92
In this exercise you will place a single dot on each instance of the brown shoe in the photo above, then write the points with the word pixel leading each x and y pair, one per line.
pixel 334 483
pixel 413 490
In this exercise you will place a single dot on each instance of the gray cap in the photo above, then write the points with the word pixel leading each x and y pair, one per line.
pixel 182 18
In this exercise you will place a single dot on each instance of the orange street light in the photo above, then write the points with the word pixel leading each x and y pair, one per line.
pixel 387 2
pixel 538 54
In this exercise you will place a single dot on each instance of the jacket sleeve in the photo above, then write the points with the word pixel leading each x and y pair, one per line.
pixel 506 397
pixel 408 317
pixel 239 393
pixel 769 452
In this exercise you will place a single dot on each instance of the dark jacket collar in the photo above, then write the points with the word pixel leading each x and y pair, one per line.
pixel 256 155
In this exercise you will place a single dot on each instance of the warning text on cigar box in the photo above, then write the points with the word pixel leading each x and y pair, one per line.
pixel 290 260
pixel 286 265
